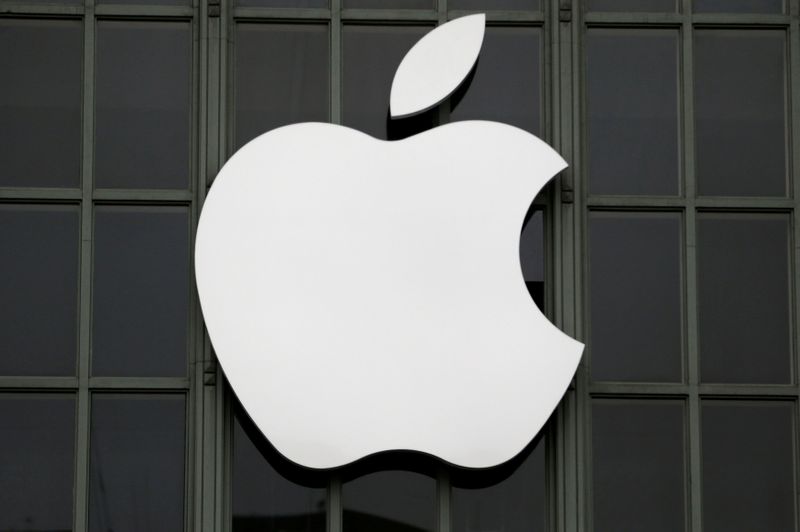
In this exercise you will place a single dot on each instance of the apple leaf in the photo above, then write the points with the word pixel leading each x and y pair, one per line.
pixel 436 65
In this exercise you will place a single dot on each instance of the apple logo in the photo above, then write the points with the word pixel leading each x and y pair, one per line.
pixel 366 295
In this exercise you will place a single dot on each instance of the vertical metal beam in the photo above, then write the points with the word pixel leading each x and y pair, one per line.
pixel 691 358
pixel 85 335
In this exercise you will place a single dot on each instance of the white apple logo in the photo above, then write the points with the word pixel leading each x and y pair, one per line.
pixel 365 295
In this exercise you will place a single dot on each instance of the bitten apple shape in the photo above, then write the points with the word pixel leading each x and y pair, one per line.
pixel 364 295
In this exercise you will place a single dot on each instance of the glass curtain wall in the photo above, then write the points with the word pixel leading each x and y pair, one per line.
pixel 668 246
pixel 691 385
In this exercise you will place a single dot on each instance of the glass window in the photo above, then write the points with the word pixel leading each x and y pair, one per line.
pixel 740 117
pixel 143 104
pixel 506 85
pixel 531 255
pixel 370 56
pixel 510 497
pixel 148 2
pixel 743 298
pixel 136 467
pixel 269 493
pixel 400 501
pixel 141 291
pixel 748 466
pixel 528 5
pixel 39 287
pixel 389 4
pixel 632 107
pixel 40 102
pixel 282 3
pixel 37 453
pixel 632 5
pixel 282 76
pixel 738 6
pixel 638 466
pixel 635 269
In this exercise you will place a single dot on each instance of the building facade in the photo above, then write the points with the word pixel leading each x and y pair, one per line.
pixel 669 247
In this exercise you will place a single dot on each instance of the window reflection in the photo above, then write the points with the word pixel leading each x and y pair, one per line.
pixel 281 76
pixel 37 441
pixel 510 497
pixel 393 492
pixel 40 102
pixel 136 470
pixel 370 55
pixel 506 84
pixel 531 255
pixel 269 493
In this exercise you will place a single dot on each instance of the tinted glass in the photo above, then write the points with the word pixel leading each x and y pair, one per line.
pixel 149 2
pixel 269 493
pixel 738 6
pixel 371 55
pixel 282 76
pixel 510 497
pixel 635 301
pixel 397 501
pixel 136 466
pixel 141 291
pixel 632 107
pixel 391 4
pixel 529 5
pixel 740 117
pixel 531 255
pixel 506 85
pixel 638 465
pixel 40 103
pixel 143 104
pixel 39 287
pixel 37 452
pixel 743 296
pixel 632 5
pixel 282 3
pixel 748 466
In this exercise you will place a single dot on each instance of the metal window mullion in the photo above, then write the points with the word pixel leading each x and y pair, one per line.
pixel 336 61
pixel 692 371
pixel 84 352
pixel 334 508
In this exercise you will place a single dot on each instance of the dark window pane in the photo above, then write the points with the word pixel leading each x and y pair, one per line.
pixel 506 85
pixel 136 466
pixel 528 5
pixel 396 501
pixel 389 4
pixel 282 76
pixel 638 465
pixel 37 452
pixel 148 2
pixel 371 55
pixel 632 107
pixel 40 102
pixel 635 310
pixel 740 116
pixel 531 255
pixel 282 3
pixel 269 493
pixel 738 6
pixel 141 291
pixel 143 104
pixel 510 497
pixel 39 287
pixel 748 465
pixel 632 5
pixel 743 298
